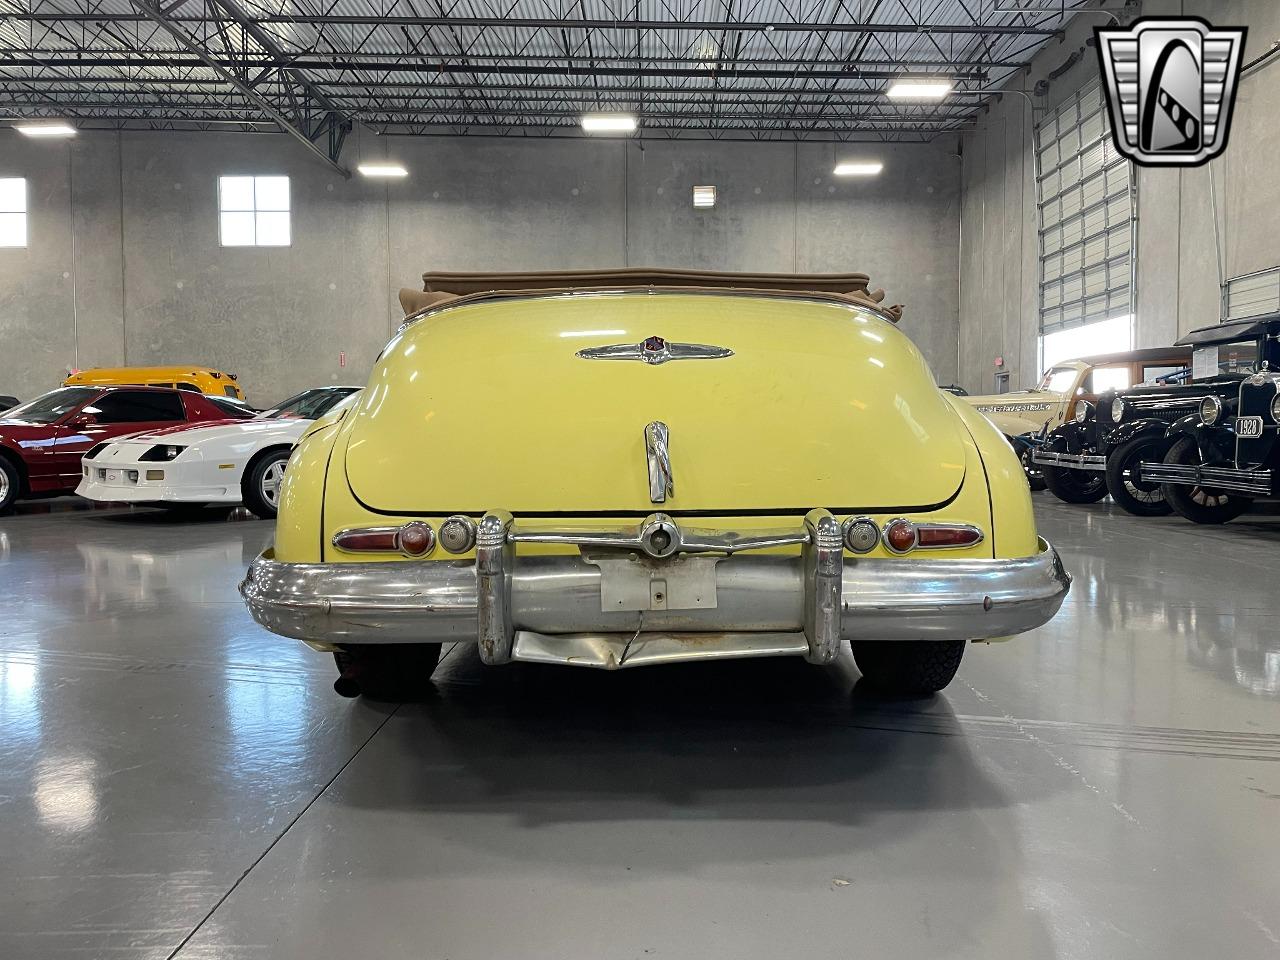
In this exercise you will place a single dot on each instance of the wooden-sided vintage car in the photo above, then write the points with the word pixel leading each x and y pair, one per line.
pixel 1026 416
pixel 1224 456
pixel 613 469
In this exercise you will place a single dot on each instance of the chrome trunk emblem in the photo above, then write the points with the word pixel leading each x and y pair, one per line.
pixel 655 350
pixel 661 483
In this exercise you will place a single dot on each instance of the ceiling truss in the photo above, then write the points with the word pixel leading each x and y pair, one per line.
pixel 732 69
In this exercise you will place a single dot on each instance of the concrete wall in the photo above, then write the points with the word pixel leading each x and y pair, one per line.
pixel 1177 281
pixel 124 264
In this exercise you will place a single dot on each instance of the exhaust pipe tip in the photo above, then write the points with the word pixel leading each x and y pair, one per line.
pixel 347 686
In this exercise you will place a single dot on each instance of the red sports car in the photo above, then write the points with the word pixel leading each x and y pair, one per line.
pixel 43 440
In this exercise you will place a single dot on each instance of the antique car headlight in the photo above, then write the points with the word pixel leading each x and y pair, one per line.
pixel 1210 411
pixel 162 453
pixel 1083 409
pixel 1275 408
pixel 1117 410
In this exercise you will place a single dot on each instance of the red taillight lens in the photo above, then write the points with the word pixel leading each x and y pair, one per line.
pixel 372 539
pixel 413 539
pixel 941 536
pixel 900 535
pixel 903 536
pixel 416 538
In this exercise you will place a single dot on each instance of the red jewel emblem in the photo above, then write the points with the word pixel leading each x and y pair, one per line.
pixel 654 344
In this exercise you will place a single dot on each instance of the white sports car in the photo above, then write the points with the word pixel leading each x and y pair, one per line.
pixel 239 461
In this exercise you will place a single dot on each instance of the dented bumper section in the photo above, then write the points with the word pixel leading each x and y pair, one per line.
pixel 656 594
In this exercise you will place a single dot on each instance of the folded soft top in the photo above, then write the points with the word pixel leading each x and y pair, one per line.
pixel 440 287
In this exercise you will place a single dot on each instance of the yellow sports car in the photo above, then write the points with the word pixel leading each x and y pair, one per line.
pixel 615 469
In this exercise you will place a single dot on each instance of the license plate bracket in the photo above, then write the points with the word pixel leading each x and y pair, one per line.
pixel 1249 427
pixel 631 582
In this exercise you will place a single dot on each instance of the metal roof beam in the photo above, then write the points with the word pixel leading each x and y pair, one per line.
pixel 312 63
pixel 552 23
pixel 293 119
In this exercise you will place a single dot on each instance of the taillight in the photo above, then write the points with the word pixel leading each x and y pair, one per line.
pixel 940 536
pixel 900 535
pixel 903 536
pixel 413 539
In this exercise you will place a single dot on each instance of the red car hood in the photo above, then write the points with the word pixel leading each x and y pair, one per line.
pixel 16 431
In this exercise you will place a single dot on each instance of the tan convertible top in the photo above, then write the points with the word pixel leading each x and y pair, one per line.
pixel 442 287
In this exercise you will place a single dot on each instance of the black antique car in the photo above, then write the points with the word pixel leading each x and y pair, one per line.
pixel 1225 455
pixel 1100 450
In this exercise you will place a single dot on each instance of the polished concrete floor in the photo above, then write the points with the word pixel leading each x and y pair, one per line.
pixel 176 782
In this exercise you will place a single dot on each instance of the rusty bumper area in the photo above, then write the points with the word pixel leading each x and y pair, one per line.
pixel 611 609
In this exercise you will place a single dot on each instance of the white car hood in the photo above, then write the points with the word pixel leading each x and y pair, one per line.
pixel 257 432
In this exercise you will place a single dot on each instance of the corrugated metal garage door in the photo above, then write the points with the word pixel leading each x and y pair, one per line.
pixel 1253 294
pixel 1085 194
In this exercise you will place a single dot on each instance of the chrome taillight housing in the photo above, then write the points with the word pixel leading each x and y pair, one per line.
pixel 413 539
pixel 902 536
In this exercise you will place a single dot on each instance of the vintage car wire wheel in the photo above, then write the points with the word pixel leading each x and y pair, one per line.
pixel 1075 486
pixel 910 667
pixel 1199 504
pixel 260 488
pixel 386 671
pixel 1035 476
pixel 10 483
pixel 1124 481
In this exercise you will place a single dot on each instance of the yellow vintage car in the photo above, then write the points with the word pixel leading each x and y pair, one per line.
pixel 624 468
pixel 184 377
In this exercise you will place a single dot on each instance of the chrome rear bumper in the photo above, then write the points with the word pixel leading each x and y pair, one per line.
pixel 583 610
pixel 1254 482
pixel 1071 461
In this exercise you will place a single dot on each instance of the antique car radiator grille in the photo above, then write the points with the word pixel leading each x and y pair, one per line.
pixel 1255 401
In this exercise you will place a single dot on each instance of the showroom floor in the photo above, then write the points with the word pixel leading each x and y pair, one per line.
pixel 175 781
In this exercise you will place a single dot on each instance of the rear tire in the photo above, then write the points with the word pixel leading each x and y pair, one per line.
pixel 1075 486
pixel 1124 484
pixel 10 484
pixel 260 488
pixel 386 671
pixel 908 666
pixel 1199 504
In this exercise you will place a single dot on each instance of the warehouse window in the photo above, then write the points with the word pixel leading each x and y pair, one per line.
pixel 13 212
pixel 253 211
pixel 1085 194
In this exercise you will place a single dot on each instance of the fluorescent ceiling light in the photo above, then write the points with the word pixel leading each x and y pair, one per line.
pixel 382 170
pixel 867 168
pixel 918 89
pixel 704 197
pixel 46 129
pixel 608 123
